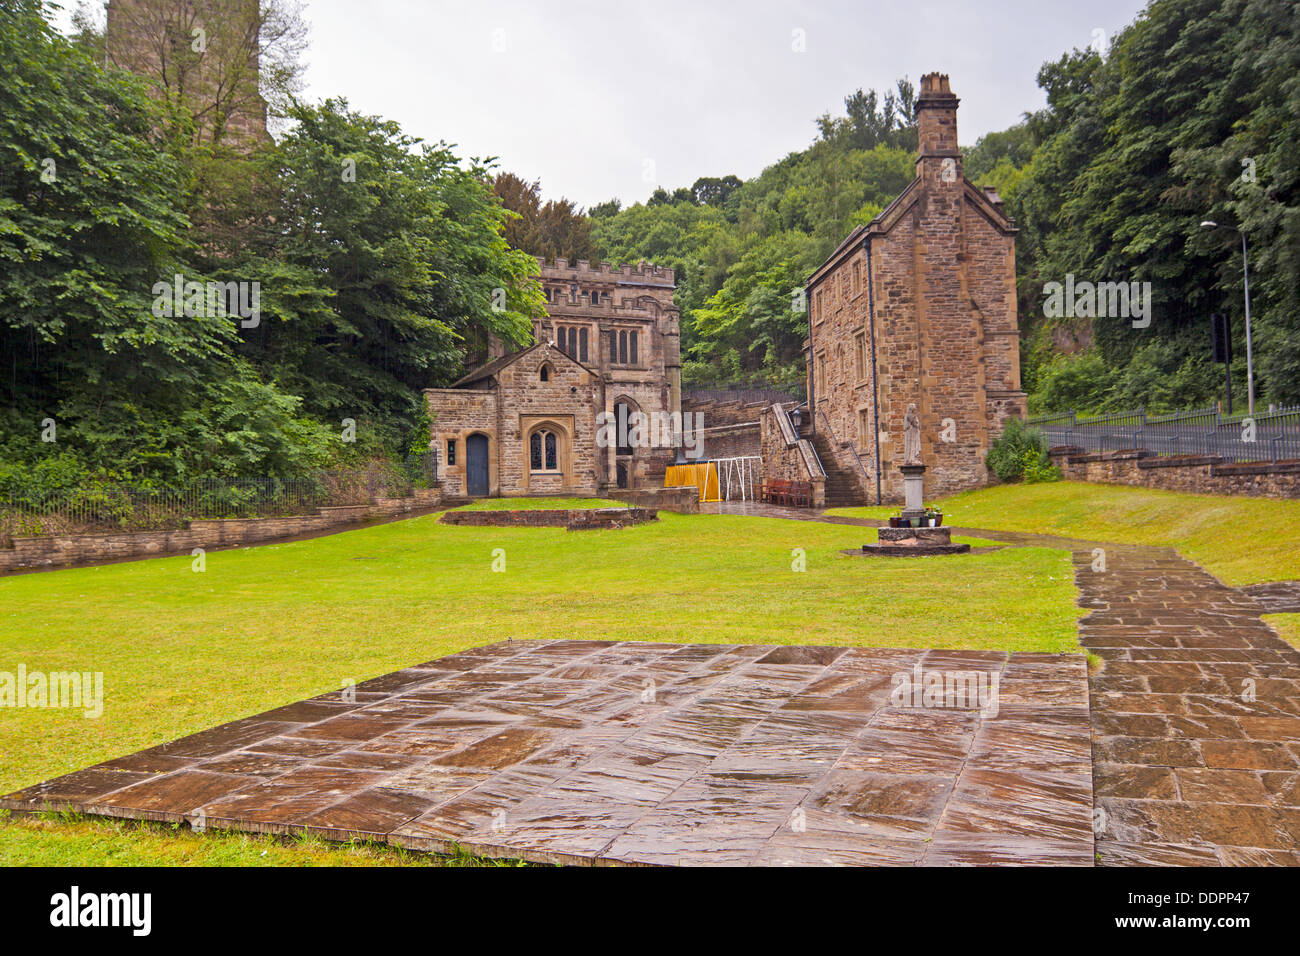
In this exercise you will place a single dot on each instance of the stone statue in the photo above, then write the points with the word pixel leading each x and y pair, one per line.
pixel 911 436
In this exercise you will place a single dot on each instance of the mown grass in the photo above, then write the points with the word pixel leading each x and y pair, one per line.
pixel 50 839
pixel 1239 540
pixel 181 650
pixel 1287 625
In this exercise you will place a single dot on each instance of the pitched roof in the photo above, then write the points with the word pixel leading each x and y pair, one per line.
pixel 493 367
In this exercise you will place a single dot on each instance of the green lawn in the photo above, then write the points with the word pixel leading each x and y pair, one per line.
pixel 1240 540
pixel 1288 625
pixel 261 627
pixel 73 840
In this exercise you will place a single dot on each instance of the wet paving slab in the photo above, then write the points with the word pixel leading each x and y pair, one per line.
pixel 595 752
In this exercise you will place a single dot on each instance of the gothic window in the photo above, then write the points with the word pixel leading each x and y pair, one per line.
pixel 451 451
pixel 573 343
pixel 543 451
pixel 622 348
pixel 582 345
pixel 545 374
pixel 631 341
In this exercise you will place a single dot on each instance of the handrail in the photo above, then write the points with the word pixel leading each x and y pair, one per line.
pixel 852 447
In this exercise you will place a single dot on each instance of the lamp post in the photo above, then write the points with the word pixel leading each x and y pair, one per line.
pixel 1245 273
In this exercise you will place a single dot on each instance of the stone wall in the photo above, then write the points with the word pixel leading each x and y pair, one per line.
pixel 457 414
pixel 683 499
pixel 1198 474
pixel 55 551
pixel 732 441
pixel 571 519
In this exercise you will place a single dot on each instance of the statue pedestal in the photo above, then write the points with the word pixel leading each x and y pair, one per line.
pixel 913 490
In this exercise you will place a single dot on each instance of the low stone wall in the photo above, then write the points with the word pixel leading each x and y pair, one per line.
pixel 683 499
pixel 55 551
pixel 571 519
pixel 1199 474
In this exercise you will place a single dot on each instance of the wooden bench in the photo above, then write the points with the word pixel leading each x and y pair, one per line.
pixel 781 491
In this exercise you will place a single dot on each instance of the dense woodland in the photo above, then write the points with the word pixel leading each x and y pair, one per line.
pixel 383 261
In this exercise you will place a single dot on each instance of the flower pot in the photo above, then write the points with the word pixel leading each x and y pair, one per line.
pixel 896 522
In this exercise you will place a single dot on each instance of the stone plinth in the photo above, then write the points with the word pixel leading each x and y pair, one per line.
pixel 913 490
pixel 914 542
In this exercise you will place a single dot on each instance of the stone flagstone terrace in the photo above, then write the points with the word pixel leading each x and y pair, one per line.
pixel 644 753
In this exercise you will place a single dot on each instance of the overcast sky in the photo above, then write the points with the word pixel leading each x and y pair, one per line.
pixel 615 98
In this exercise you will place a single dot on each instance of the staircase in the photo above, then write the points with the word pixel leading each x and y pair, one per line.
pixel 843 485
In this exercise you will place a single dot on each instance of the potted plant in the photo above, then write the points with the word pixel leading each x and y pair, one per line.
pixel 933 518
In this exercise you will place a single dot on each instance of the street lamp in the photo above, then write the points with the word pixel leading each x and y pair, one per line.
pixel 1245 272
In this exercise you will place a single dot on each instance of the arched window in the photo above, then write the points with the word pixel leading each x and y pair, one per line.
pixel 544 451
pixel 545 374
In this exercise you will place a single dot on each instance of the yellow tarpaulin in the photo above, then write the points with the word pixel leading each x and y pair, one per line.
pixel 703 477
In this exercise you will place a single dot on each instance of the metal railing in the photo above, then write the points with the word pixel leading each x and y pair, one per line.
pixel 1272 435
pixel 853 450
pixel 741 395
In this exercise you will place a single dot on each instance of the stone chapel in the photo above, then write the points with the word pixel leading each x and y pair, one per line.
pixel 528 422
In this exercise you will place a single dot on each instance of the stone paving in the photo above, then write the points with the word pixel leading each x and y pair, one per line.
pixel 646 753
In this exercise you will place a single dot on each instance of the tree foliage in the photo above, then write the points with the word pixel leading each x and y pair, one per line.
pixel 550 229
pixel 1194 115
pixel 380 262
pixel 742 250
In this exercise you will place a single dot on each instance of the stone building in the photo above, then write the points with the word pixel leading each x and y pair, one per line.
pixel 917 306
pixel 560 417
pixel 207 48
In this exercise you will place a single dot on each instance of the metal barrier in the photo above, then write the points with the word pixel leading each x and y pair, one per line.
pixel 1272 435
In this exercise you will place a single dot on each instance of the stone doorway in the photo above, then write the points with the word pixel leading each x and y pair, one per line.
pixel 477 484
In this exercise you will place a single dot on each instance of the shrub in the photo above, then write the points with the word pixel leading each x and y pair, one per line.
pixel 1020 452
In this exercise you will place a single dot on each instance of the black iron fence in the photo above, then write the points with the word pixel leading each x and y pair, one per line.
pixel 107 506
pixel 744 396
pixel 1268 435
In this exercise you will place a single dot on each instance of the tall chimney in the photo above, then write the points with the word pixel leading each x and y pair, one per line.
pixel 936 121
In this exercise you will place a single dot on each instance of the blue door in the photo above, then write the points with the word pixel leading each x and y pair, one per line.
pixel 476 466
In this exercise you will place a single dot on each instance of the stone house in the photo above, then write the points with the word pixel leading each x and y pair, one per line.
pixel 560 417
pixel 918 306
